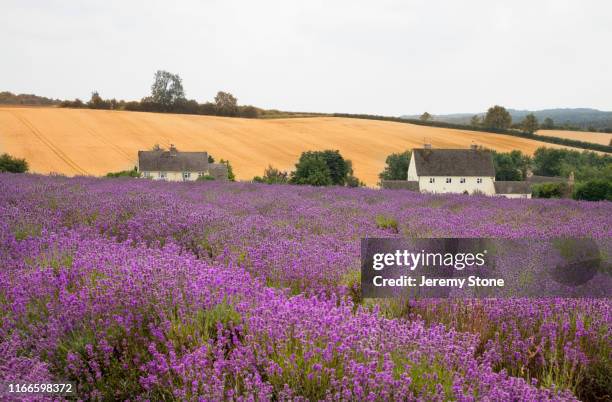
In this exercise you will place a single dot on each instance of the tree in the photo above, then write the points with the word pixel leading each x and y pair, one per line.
pixel 397 166
pixel 311 169
pixel 338 167
pixel 12 165
pixel 498 118
pixel 351 180
pixel 425 117
pixel 211 159
pixel 550 190
pixel 226 104
pixel 511 166
pixel 272 176
pixel 530 123
pixel 167 90
pixel 96 101
pixel 594 190
pixel 548 124
pixel 230 171
pixel 475 121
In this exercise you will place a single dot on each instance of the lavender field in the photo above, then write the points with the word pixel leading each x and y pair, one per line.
pixel 146 290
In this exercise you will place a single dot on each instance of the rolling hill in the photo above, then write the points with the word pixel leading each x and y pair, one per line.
pixel 94 142
pixel 580 117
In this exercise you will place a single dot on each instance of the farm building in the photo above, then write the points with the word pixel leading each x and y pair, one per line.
pixel 465 171
pixel 174 165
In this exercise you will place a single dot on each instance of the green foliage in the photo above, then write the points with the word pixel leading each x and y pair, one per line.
pixel 475 121
pixel 12 165
pixel 226 104
pixel 550 190
pixel 167 90
pixel 205 177
pixel 211 159
pixel 594 190
pixel 561 162
pixel 312 170
pixel 530 124
pixel 9 98
pixel 125 173
pixel 397 166
pixel 96 102
pixel 321 168
pixel 497 117
pixel 230 171
pixel 511 166
pixel 272 176
pixel 385 222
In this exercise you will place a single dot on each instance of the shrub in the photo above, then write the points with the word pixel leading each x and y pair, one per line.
pixel 12 165
pixel 125 173
pixel 550 190
pixel 230 172
pixel 397 166
pixel 594 190
pixel 205 177
pixel 272 176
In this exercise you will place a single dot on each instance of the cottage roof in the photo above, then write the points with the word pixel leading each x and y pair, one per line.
pixel 172 161
pixel 453 162
pixel 512 187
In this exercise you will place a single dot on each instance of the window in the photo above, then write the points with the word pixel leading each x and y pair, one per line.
pixel 479 180
pixel 462 180
pixel 448 180
pixel 162 175
pixel 147 175
pixel 186 175
pixel 432 180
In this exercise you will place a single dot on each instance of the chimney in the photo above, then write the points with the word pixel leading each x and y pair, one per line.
pixel 173 149
pixel 427 146
pixel 474 147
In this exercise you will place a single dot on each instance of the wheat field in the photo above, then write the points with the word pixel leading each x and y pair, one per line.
pixel 95 142
pixel 596 138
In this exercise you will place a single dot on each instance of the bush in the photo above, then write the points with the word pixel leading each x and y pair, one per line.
pixel 594 190
pixel 12 165
pixel 205 177
pixel 230 172
pixel 125 173
pixel 550 190
pixel 272 176
pixel 312 170
pixel 397 167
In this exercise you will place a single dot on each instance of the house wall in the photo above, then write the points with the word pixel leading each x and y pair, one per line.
pixel 412 173
pixel 170 176
pixel 440 186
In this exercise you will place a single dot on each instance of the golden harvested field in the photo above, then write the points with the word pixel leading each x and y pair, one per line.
pixel 95 142
pixel 596 138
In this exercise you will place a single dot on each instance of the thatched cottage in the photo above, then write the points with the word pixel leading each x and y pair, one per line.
pixel 175 165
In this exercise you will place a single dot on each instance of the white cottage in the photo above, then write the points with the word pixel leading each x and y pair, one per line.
pixel 465 171
pixel 174 165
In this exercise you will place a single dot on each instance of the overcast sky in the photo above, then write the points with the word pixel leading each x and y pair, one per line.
pixel 379 57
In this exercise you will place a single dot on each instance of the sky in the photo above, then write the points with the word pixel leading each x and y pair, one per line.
pixel 376 57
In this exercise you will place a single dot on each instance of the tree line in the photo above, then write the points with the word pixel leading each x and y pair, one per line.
pixel 592 172
pixel 497 120
pixel 168 96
